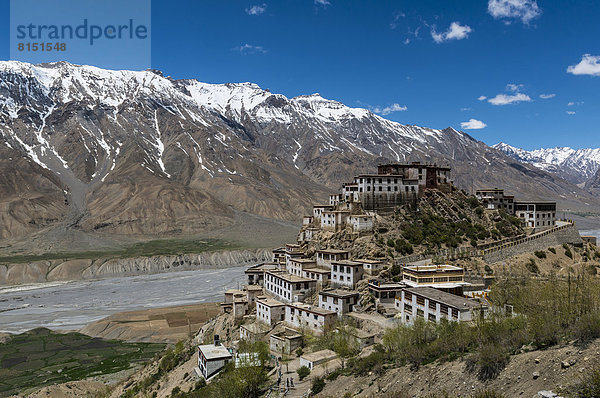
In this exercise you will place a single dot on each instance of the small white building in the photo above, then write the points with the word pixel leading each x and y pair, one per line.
pixel 292 251
pixel 338 300
pixel 372 266
pixel 314 318
pixel 350 192
pixel 538 215
pixel 269 311
pixel 307 220
pixel 286 341
pixel 254 331
pixel 286 287
pixel 495 199
pixel 446 277
pixel 334 220
pixel 316 358
pixel 346 273
pixel 318 211
pixel 326 256
pixel 334 199
pixel 212 358
pixel 297 265
pixel 321 275
pixel 434 305
pixel 361 223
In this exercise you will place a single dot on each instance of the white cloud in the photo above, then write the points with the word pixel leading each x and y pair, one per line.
pixel 456 31
pixel 389 109
pixel 257 9
pixel 547 96
pixel 482 98
pixel 570 112
pixel 465 109
pixel 589 65
pixel 505 99
pixel 322 2
pixel 514 87
pixel 397 16
pixel 473 124
pixel 571 103
pixel 525 10
pixel 248 49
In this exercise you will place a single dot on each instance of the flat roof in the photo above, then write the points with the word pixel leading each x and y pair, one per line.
pixel 387 286
pixel 269 301
pixel 303 260
pixel 211 351
pixel 318 270
pixel 415 164
pixel 257 327
pixel 433 268
pixel 400 176
pixel 332 251
pixel 319 356
pixel 346 262
pixel 288 277
pixel 312 308
pixel 287 334
pixel 262 267
pixel 370 260
pixel 340 293
pixel 534 202
pixel 451 300
pixel 442 285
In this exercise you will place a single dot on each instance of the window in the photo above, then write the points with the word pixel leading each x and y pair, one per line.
pixel 431 317
pixel 408 296
pixel 420 300
pixel 454 313
pixel 432 305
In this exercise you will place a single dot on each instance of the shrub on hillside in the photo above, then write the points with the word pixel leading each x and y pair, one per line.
pixel 488 361
pixel 588 386
pixel 532 266
pixel 302 371
pixel 540 254
pixel 318 384
pixel 552 250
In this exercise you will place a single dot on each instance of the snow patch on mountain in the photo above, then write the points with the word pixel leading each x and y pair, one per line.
pixel 583 163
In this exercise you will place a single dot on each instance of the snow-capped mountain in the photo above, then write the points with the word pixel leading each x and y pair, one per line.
pixel 575 165
pixel 134 152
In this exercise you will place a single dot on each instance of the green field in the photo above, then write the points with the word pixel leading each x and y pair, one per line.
pixel 143 249
pixel 41 357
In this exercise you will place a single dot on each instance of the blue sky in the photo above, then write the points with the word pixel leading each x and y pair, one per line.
pixel 428 63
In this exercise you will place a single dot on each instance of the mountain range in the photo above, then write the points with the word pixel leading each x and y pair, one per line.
pixel 579 166
pixel 109 155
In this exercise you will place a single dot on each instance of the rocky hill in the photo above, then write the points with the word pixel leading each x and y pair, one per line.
pixel 593 185
pixel 438 221
pixel 109 154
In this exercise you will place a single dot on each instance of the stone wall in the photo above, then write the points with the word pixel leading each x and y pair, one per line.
pixel 569 235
